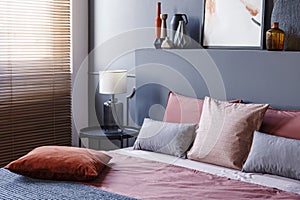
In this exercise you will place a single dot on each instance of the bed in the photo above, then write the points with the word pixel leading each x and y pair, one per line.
pixel 161 164
pixel 166 173
pixel 137 174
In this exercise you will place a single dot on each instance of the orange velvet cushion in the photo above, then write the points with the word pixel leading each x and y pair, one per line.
pixel 60 163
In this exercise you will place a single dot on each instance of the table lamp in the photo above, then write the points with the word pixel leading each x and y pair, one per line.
pixel 113 82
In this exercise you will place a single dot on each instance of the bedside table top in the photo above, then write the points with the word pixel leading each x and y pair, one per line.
pixel 98 133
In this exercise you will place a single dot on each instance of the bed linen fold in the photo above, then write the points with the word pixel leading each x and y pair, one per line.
pixel 147 179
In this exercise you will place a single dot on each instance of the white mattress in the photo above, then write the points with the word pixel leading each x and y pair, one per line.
pixel 273 181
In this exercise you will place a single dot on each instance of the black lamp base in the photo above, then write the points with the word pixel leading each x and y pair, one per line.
pixel 113 115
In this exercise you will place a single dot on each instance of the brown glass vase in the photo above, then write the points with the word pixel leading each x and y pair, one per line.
pixel 275 38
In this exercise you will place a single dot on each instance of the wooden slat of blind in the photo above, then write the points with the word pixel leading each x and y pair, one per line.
pixel 35 81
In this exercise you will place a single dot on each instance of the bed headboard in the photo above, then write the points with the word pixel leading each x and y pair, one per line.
pixel 254 76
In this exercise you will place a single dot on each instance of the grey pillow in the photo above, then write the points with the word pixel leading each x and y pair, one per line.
pixel 164 137
pixel 274 155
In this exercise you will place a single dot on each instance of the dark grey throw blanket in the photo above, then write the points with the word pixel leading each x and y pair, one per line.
pixel 15 187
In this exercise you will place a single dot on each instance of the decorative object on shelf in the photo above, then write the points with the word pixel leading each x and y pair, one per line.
pixel 163 33
pixel 287 13
pixel 158 43
pixel 238 24
pixel 113 82
pixel 182 38
pixel 167 44
pixel 175 22
pixel 158 40
pixel 158 20
pixel 275 38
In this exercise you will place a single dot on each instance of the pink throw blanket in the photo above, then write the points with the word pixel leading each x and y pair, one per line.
pixel 144 179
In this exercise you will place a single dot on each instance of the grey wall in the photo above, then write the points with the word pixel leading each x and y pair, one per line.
pixel 110 18
pixel 79 67
pixel 118 28
pixel 253 76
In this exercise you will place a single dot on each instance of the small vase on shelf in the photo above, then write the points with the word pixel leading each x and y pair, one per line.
pixel 182 38
pixel 158 20
pixel 175 22
pixel 163 33
pixel 167 44
pixel 158 41
pixel 275 38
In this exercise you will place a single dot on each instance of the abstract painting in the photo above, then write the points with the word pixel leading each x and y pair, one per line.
pixel 233 24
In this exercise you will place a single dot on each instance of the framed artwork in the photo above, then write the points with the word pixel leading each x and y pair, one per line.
pixel 233 24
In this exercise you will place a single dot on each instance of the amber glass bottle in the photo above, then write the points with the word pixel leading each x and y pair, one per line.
pixel 275 38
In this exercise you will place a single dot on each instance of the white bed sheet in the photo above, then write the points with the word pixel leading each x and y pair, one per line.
pixel 273 181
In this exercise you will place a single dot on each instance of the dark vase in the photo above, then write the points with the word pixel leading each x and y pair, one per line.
pixel 175 22
pixel 275 38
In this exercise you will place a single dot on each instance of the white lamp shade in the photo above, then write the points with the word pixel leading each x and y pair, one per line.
pixel 113 82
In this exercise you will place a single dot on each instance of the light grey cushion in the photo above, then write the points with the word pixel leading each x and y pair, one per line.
pixel 164 137
pixel 274 155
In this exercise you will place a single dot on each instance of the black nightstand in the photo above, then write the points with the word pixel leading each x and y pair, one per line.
pixel 97 133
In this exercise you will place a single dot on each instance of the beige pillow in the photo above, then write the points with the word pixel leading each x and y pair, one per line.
pixel 225 132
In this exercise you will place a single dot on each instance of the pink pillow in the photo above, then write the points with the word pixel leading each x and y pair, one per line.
pixel 225 132
pixel 284 123
pixel 182 109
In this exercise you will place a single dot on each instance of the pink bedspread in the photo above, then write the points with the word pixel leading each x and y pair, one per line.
pixel 144 179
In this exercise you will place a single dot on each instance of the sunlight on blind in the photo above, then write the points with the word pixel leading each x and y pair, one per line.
pixel 35 102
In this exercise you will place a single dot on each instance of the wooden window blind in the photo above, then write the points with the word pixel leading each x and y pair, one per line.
pixel 35 81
